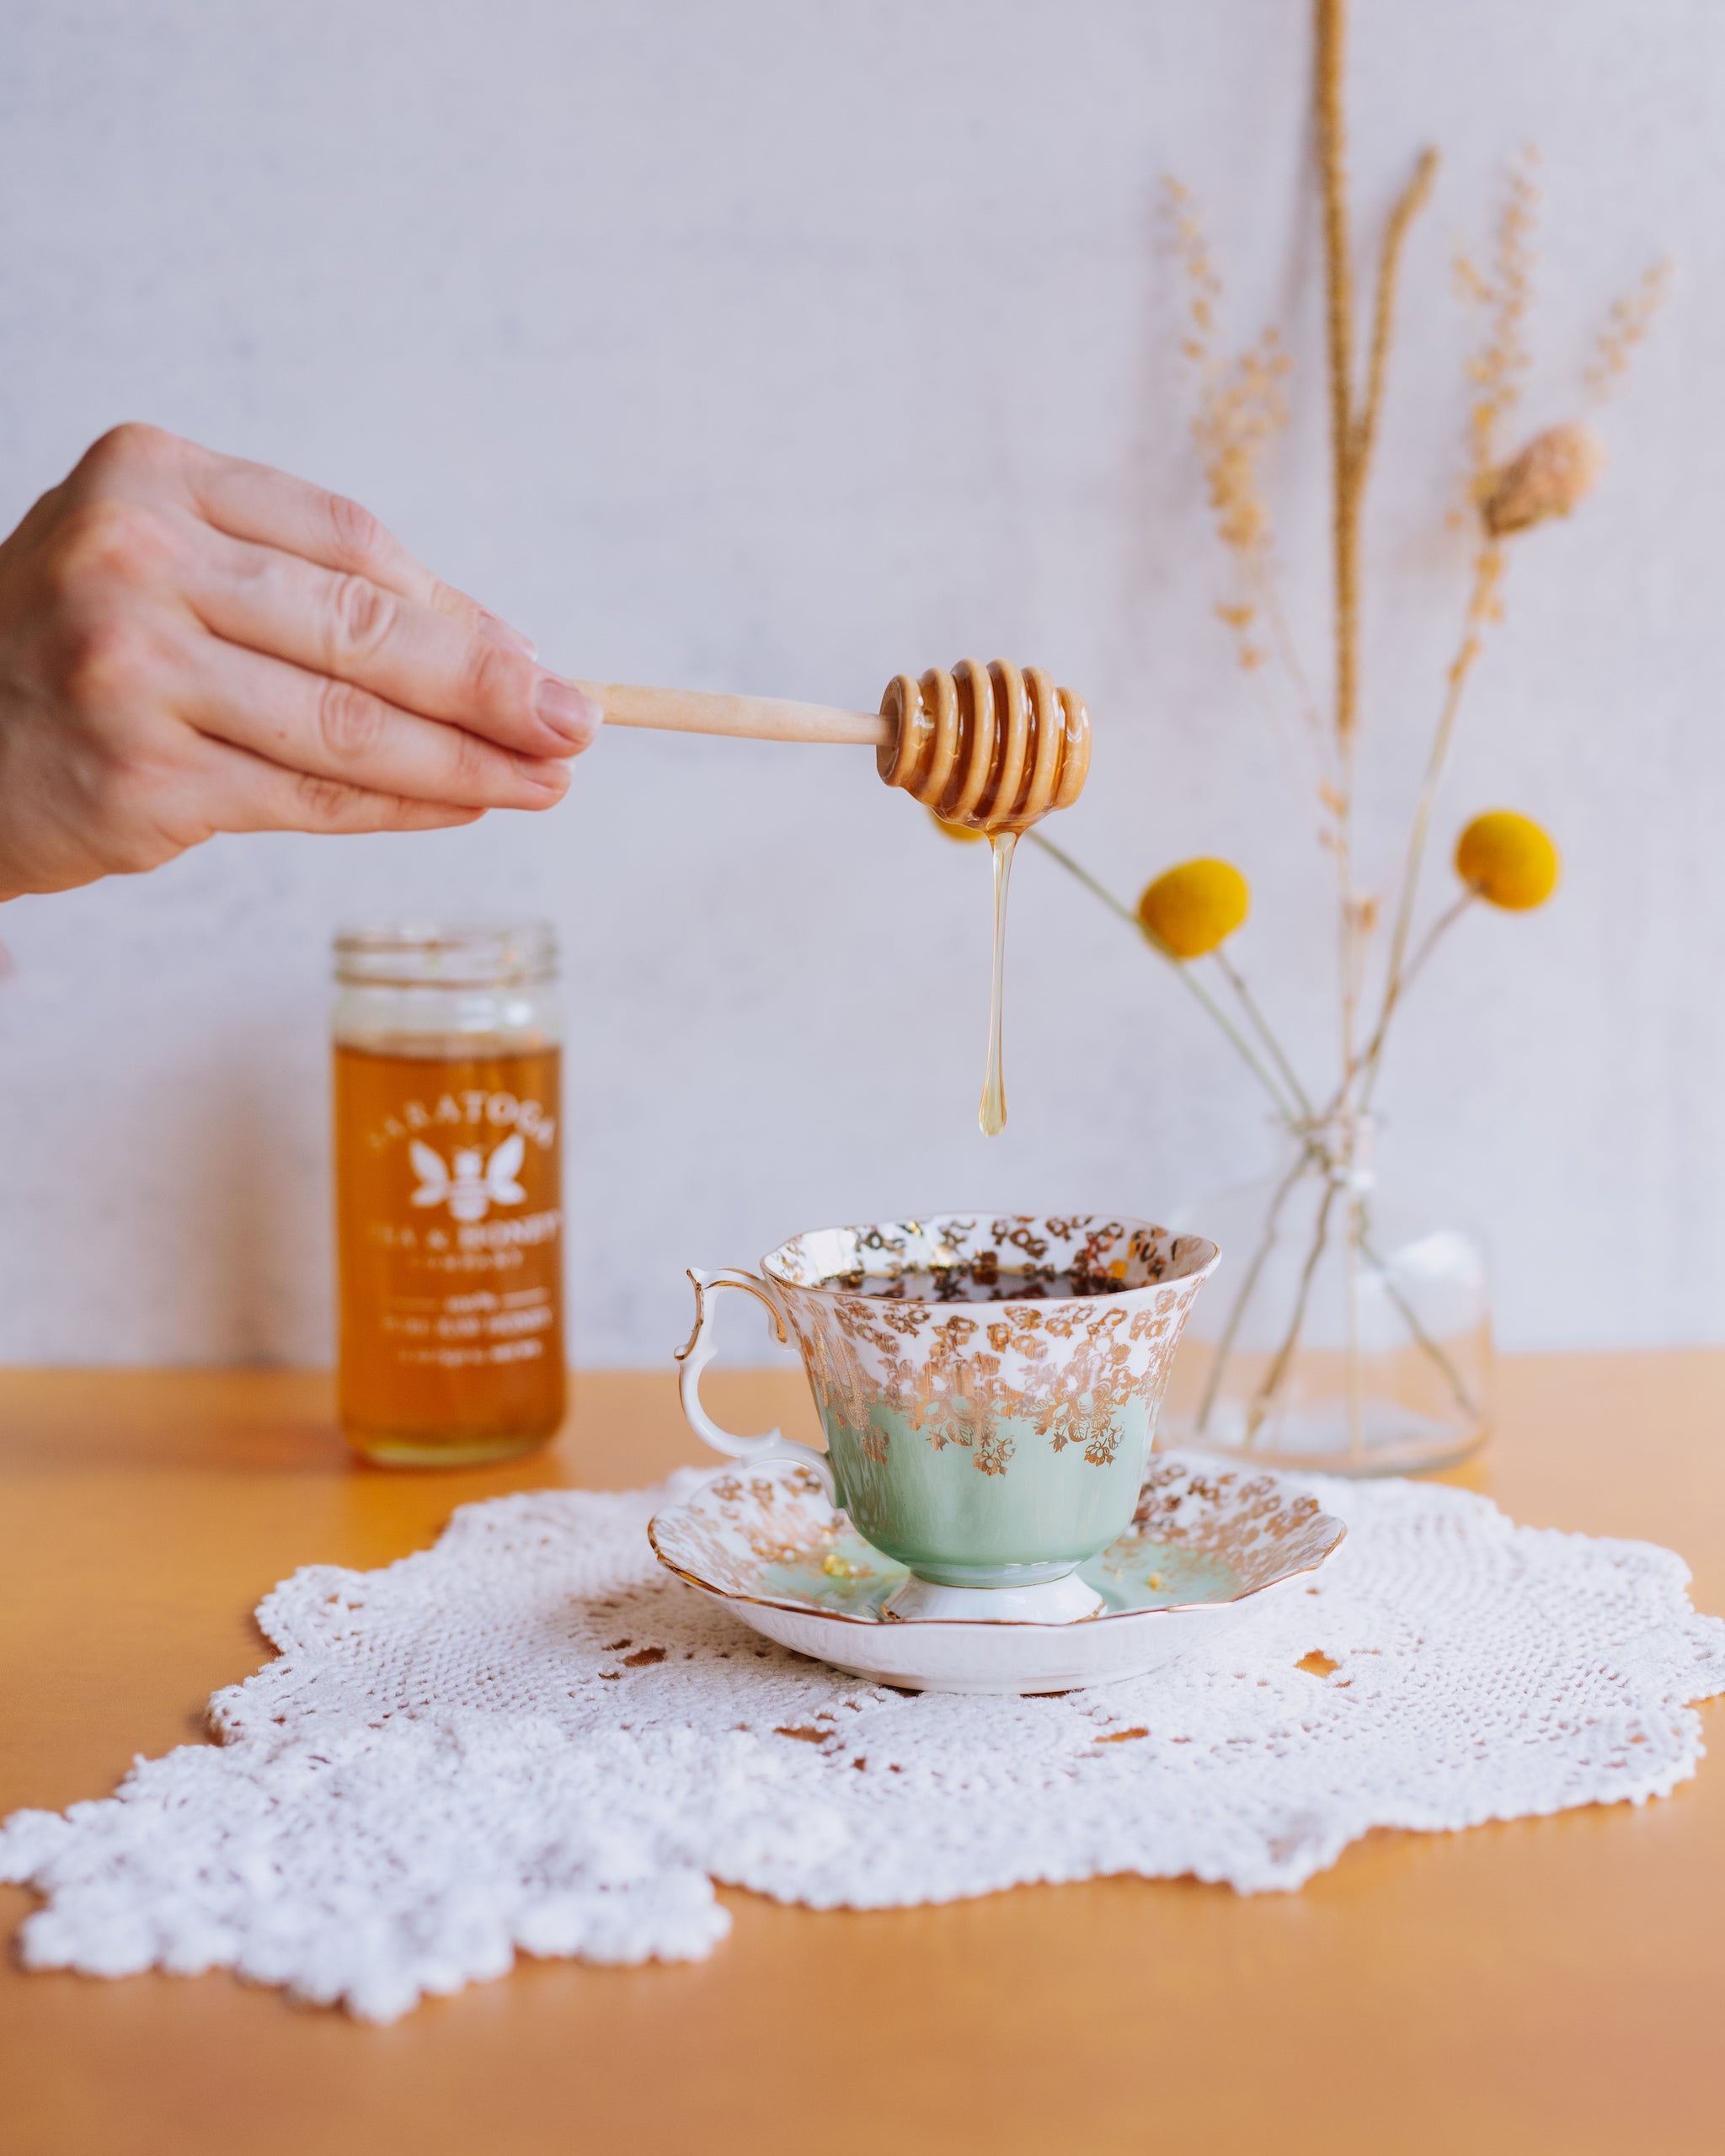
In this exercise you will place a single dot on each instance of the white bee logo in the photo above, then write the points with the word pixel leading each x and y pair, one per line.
pixel 476 1184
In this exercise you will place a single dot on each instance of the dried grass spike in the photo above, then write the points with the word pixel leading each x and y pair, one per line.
pixel 1241 406
pixel 1626 326
pixel 1499 367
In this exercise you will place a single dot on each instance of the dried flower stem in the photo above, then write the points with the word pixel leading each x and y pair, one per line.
pixel 1330 27
pixel 1284 1354
pixel 1224 1345
pixel 1412 200
pixel 1464 1398
pixel 1353 426
pixel 1338 300
pixel 1284 1108
pixel 1261 1027
pixel 1400 986
pixel 1444 920
pixel 1489 570
pixel 1282 635
pixel 1345 475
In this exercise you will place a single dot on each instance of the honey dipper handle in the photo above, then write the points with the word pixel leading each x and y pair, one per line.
pixel 761 719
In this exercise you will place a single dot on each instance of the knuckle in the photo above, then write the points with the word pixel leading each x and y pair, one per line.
pixel 361 614
pixel 494 678
pixel 133 445
pixel 104 542
pixel 395 812
pixel 104 665
pixel 360 539
pixel 472 774
pixel 326 804
pixel 350 720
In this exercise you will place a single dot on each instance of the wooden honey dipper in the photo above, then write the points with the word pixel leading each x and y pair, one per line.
pixel 993 748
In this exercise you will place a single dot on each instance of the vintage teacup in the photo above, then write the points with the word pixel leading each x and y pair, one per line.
pixel 989 1388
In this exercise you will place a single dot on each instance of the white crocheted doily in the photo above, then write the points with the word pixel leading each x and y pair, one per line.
pixel 530 1736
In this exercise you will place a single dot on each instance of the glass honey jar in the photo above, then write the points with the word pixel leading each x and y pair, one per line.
pixel 448 1192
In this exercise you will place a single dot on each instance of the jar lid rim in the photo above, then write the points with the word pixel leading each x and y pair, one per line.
pixel 466 954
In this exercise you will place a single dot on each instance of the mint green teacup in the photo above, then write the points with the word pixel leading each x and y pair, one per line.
pixel 989 1388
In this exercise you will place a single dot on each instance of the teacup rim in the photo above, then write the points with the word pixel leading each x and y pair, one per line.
pixel 1128 1222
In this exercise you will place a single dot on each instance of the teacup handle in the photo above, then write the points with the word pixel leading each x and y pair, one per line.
pixel 699 1350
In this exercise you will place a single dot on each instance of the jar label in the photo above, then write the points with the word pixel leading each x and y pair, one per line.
pixel 449 1205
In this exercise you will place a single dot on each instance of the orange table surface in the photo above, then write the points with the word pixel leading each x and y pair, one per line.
pixel 1542 1985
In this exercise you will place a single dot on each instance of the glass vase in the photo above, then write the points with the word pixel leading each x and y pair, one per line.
pixel 1348 1329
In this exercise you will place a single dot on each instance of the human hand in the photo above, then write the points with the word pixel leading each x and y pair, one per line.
pixel 190 643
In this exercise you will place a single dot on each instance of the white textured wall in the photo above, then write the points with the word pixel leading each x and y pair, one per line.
pixel 749 344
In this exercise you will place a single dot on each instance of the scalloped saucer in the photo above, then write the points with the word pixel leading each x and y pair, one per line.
pixel 1207 1545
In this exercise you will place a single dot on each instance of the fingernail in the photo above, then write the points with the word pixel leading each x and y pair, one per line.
pixel 499 631
pixel 573 718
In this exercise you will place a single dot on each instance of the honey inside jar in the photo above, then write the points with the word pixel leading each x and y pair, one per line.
pixel 449 1202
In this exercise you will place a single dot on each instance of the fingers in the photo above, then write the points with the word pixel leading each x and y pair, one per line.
pixel 199 645
pixel 255 501
pixel 272 508
pixel 321 571
pixel 350 626
pixel 256 795
pixel 336 731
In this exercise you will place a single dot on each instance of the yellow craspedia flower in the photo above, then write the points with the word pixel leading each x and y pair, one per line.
pixel 962 832
pixel 1508 860
pixel 1190 910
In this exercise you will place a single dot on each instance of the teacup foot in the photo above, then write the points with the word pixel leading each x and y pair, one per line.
pixel 1065 1601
